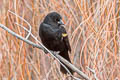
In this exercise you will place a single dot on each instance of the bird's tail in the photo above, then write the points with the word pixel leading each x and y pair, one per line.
pixel 66 56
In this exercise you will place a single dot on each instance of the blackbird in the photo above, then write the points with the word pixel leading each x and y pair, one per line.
pixel 54 37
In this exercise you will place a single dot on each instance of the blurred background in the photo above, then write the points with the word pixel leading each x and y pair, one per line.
pixel 93 27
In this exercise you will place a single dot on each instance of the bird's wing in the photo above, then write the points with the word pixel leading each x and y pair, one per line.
pixel 46 31
pixel 65 38
pixel 57 34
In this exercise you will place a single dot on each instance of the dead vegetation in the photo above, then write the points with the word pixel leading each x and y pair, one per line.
pixel 93 29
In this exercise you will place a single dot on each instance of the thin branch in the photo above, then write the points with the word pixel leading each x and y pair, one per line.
pixel 30 28
pixel 94 73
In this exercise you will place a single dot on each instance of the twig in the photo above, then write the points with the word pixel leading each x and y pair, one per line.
pixel 30 28
pixel 93 71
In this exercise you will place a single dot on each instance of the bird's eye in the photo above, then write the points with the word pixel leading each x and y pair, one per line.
pixel 56 19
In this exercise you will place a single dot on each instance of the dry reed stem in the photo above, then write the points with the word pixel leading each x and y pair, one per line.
pixel 93 27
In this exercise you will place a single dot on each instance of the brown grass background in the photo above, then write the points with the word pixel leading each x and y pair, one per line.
pixel 93 29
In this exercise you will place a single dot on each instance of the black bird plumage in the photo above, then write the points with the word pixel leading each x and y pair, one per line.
pixel 54 36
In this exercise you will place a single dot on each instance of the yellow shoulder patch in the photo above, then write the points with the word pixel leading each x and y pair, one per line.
pixel 64 34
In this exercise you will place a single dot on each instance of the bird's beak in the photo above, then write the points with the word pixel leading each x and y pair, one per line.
pixel 60 22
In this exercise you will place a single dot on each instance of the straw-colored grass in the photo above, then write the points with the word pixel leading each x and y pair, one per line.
pixel 93 27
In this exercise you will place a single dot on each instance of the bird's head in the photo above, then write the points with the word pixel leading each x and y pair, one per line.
pixel 53 18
